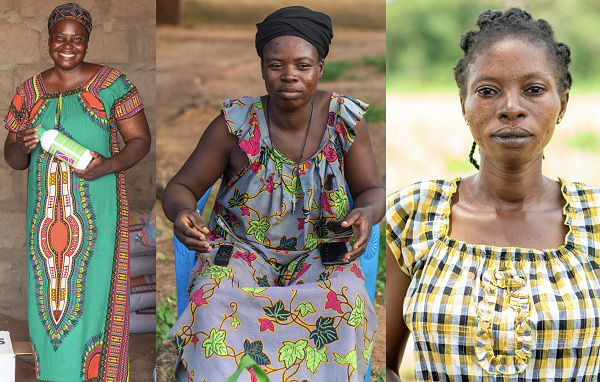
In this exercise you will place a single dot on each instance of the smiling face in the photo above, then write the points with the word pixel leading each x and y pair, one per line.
pixel 291 70
pixel 67 44
pixel 512 101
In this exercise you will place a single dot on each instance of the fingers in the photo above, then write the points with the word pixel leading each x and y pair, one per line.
pixel 191 231
pixel 95 169
pixel 361 232
pixel 27 140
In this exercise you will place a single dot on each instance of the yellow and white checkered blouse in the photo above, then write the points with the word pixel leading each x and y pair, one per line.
pixel 485 313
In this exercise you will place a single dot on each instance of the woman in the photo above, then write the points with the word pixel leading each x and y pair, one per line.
pixel 77 219
pixel 497 274
pixel 285 159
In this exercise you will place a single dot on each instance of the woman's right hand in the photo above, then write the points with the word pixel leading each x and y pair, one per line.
pixel 191 230
pixel 27 140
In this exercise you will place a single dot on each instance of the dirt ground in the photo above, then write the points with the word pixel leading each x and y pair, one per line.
pixel 199 67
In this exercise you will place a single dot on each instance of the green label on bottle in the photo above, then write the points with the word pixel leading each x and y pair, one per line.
pixel 66 149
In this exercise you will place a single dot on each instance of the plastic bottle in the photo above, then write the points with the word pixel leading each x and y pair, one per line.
pixel 64 148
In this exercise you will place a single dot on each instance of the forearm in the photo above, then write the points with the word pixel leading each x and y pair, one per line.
pixel 14 158
pixel 176 198
pixel 373 200
pixel 134 151
pixel 391 375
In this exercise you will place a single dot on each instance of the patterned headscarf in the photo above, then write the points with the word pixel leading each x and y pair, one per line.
pixel 314 27
pixel 71 11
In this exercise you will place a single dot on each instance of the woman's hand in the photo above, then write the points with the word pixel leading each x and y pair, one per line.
pixel 27 140
pixel 361 221
pixel 191 230
pixel 98 167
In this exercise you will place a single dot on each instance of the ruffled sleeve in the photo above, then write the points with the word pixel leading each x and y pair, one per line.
pixel 346 114
pixel 582 218
pixel 413 222
pixel 241 116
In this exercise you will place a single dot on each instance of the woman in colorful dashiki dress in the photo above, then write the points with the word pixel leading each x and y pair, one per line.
pixel 77 220
pixel 500 269
pixel 285 159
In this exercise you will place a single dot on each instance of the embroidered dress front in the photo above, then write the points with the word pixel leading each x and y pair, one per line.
pixel 77 267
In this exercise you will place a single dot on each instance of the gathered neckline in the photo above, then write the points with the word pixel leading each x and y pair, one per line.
pixel 493 249
pixel 68 91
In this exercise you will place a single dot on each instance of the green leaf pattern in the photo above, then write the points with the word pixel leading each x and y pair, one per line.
pixel 290 351
pixel 215 343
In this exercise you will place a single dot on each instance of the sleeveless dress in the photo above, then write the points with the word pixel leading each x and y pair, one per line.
pixel 486 313
pixel 77 267
pixel 275 301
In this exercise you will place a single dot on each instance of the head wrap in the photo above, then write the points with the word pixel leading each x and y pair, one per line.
pixel 314 27
pixel 71 11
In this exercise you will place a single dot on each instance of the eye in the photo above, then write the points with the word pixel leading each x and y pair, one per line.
pixel 486 91
pixel 535 90
pixel 57 37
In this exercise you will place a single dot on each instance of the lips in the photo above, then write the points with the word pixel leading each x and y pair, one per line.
pixel 512 135
pixel 66 56
pixel 289 93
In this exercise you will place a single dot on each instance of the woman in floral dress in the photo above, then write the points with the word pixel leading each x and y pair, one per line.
pixel 287 160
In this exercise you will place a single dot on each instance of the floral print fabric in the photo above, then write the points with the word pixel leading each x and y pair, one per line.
pixel 275 301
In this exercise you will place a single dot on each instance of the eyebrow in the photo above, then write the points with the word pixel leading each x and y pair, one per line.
pixel 526 77
pixel 307 58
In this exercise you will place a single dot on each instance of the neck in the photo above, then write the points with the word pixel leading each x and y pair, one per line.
pixel 290 119
pixel 510 187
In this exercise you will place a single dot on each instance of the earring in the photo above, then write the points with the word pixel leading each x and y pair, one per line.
pixel 467 122
pixel 558 120
pixel 471 159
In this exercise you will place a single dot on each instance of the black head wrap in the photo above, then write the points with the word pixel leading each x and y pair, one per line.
pixel 314 27
pixel 71 11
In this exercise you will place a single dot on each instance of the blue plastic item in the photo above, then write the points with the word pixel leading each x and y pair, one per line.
pixel 185 260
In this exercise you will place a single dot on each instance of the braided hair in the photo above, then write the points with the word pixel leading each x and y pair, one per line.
pixel 496 25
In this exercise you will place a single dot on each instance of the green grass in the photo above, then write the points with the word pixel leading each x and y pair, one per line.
pixel 378 62
pixel 377 374
pixel 165 316
pixel 375 114
pixel 335 70
pixel 587 141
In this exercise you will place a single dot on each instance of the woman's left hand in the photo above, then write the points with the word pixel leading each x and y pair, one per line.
pixel 98 167
pixel 361 221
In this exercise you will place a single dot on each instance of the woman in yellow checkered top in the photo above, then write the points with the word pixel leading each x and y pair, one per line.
pixel 498 274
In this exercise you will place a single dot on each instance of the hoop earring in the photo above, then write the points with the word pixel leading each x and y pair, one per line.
pixel 471 159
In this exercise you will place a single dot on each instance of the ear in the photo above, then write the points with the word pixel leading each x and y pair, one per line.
pixel 564 99
pixel 462 107
pixel 262 68
pixel 321 68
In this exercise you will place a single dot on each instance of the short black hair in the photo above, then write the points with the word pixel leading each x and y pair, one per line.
pixel 495 25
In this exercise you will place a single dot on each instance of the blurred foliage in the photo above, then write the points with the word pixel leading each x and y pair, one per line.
pixel 423 37
pixel 335 69
pixel 375 113
pixel 380 281
pixel 587 141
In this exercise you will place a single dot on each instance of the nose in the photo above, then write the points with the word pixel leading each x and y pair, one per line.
pixel 289 74
pixel 511 105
